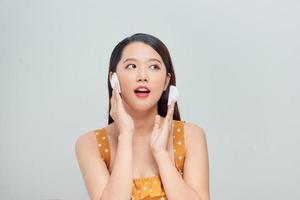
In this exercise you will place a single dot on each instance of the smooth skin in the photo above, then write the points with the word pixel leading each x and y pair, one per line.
pixel 139 139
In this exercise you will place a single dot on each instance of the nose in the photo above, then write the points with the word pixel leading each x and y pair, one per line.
pixel 142 75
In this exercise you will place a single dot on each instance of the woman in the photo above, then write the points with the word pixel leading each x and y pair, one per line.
pixel 145 151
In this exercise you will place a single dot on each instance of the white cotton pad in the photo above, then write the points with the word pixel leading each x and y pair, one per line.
pixel 173 94
pixel 114 80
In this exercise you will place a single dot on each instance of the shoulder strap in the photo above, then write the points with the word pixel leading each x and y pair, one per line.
pixel 103 145
pixel 179 144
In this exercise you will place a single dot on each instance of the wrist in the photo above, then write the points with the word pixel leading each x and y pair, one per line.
pixel 128 133
pixel 125 136
pixel 161 155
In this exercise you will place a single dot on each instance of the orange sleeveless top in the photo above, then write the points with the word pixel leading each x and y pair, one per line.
pixel 148 188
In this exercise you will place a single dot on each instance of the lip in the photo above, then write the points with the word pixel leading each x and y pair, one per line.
pixel 142 86
pixel 142 95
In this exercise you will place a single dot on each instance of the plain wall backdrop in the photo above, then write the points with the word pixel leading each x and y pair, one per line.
pixel 237 68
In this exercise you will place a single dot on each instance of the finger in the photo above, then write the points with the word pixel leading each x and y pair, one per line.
pixel 112 102
pixel 170 112
pixel 157 122
pixel 113 96
pixel 170 117
pixel 117 94
pixel 156 126
pixel 155 136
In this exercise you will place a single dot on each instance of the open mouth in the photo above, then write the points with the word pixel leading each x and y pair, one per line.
pixel 142 92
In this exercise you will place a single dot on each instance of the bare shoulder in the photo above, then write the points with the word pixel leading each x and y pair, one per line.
pixel 85 137
pixel 196 165
pixel 195 136
pixel 89 138
pixel 192 127
pixel 93 169
pixel 86 140
pixel 194 132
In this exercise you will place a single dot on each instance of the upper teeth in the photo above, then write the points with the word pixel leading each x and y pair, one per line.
pixel 142 89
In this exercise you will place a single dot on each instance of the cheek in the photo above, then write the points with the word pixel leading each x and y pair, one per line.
pixel 126 80
pixel 159 82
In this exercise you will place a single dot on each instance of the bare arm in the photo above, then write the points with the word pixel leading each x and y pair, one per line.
pixel 99 183
pixel 195 184
pixel 120 182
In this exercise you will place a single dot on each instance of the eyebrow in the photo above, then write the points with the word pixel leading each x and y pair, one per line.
pixel 151 59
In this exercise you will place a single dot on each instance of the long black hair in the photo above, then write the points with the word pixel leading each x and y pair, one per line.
pixel 162 50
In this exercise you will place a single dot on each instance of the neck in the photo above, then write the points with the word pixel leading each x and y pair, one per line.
pixel 143 120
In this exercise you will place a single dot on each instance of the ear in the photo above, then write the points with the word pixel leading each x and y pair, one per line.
pixel 167 81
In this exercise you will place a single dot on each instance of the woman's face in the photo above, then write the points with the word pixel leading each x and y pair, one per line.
pixel 141 65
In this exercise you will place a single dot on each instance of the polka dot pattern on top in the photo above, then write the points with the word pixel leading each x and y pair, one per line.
pixel 179 145
pixel 148 188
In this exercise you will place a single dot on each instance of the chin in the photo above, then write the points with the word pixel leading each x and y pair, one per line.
pixel 143 106
pixel 137 104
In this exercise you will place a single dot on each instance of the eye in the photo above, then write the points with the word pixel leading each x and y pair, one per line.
pixel 128 66
pixel 155 67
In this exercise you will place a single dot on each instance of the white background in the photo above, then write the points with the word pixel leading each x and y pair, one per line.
pixel 237 69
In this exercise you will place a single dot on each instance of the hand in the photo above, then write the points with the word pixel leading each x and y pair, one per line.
pixel 161 131
pixel 122 119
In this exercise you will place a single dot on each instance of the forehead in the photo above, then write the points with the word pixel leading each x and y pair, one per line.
pixel 139 51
